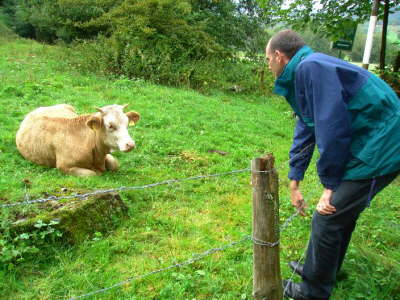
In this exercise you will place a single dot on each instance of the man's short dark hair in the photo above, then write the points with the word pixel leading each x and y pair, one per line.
pixel 286 41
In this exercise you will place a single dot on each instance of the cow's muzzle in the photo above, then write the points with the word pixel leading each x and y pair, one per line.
pixel 128 147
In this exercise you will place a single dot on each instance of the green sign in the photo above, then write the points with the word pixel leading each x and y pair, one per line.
pixel 342 45
pixel 346 42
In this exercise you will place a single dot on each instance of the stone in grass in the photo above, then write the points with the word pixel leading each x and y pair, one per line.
pixel 80 219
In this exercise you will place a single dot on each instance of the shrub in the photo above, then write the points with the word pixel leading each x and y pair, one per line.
pixel 392 78
pixel 229 74
pixel 48 20
pixel 163 41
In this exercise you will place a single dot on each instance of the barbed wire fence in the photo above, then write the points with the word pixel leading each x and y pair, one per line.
pixel 131 188
pixel 195 257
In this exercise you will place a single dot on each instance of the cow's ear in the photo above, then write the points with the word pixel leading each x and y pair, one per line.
pixel 94 123
pixel 133 117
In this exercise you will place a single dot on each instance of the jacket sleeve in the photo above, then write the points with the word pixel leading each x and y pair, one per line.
pixel 322 98
pixel 301 151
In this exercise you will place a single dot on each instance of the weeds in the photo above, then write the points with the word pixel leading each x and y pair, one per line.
pixel 16 247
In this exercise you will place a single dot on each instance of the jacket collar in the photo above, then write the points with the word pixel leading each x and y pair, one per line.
pixel 284 84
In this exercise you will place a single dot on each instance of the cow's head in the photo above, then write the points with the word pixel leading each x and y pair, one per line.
pixel 113 123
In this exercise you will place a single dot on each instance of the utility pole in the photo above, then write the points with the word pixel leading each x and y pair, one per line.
pixel 370 35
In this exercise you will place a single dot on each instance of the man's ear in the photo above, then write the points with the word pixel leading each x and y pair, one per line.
pixel 133 117
pixel 282 57
pixel 94 123
pixel 278 55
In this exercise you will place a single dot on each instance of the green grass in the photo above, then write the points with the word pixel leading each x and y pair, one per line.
pixel 169 224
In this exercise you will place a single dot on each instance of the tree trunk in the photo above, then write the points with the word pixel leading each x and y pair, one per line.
pixel 384 33
pixel 396 66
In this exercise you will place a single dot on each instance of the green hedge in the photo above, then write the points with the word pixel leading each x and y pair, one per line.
pixel 164 41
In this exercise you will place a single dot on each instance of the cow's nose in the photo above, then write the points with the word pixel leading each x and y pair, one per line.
pixel 129 146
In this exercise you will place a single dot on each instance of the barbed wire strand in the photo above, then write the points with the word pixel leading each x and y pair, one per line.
pixel 299 261
pixel 177 265
pixel 120 189
pixel 192 260
pixel 298 155
pixel 294 270
pixel 124 188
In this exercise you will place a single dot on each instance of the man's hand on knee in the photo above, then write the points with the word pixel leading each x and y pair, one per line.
pixel 324 206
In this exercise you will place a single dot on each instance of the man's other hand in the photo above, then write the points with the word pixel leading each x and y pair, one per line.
pixel 297 198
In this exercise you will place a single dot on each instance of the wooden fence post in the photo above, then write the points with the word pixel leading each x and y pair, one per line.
pixel 267 283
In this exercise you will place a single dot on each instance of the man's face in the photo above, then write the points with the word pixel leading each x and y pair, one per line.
pixel 276 61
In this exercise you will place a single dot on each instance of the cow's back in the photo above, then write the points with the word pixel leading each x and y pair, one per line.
pixel 55 111
pixel 35 138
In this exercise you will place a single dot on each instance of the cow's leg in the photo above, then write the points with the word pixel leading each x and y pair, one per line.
pixel 81 172
pixel 112 163
pixel 66 163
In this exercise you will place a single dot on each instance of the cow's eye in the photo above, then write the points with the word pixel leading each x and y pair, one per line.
pixel 111 127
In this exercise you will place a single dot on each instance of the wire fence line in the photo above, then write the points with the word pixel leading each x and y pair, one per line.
pixel 195 258
pixel 121 189
pixel 131 188
pixel 166 182
pixel 177 265
pixel 294 270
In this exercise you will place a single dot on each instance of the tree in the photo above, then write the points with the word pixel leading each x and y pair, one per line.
pixel 384 34
pixel 330 17
pixel 237 25
pixel 396 66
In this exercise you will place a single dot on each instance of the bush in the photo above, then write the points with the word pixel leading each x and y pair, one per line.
pixel 48 20
pixel 392 78
pixel 155 40
pixel 247 75
pixel 5 32
pixel 163 41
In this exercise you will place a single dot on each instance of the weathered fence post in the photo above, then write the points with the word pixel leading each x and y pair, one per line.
pixel 266 269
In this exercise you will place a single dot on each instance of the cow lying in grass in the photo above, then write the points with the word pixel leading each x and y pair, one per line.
pixel 57 137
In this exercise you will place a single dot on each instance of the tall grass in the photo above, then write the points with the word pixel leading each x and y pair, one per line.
pixel 175 138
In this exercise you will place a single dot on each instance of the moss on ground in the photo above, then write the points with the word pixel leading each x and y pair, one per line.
pixel 80 219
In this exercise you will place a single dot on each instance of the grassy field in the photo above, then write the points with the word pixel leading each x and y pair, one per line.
pixel 175 138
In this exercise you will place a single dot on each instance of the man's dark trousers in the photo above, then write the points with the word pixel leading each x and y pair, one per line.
pixel 331 234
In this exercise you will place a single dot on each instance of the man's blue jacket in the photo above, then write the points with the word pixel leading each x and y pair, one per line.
pixel 349 113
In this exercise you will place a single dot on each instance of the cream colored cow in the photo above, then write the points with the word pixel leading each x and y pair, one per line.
pixel 57 137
